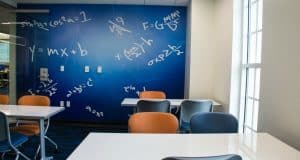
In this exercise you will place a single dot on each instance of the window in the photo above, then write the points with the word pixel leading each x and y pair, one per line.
pixel 251 63
pixel 4 52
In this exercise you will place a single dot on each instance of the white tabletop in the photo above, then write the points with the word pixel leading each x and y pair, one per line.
pixel 30 112
pixel 174 102
pixel 126 146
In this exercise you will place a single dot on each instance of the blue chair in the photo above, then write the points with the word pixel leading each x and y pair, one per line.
pixel 153 106
pixel 214 122
pixel 190 107
pixel 10 141
pixel 222 157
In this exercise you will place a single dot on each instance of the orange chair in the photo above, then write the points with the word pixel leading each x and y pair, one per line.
pixel 4 99
pixel 153 122
pixel 152 94
pixel 34 100
pixel 33 129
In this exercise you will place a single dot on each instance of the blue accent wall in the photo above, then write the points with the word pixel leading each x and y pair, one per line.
pixel 126 48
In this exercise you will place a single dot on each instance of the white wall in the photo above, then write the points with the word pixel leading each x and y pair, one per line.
pixel 280 88
pixel 210 49
pixel 223 51
pixel 201 49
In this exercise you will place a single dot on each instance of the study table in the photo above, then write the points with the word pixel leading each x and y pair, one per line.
pixel 40 113
pixel 175 103
pixel 128 146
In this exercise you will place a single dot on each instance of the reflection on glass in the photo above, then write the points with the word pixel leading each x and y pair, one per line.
pixel 259 44
pixel 257 83
pixel 249 112
pixel 252 48
pixel 253 20
pixel 250 84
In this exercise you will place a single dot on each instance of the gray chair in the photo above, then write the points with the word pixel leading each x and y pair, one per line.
pixel 214 122
pixel 10 141
pixel 188 108
pixel 153 106
pixel 222 157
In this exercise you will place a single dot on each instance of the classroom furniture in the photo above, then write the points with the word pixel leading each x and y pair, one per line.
pixel 153 106
pixel 40 113
pixel 10 140
pixel 152 122
pixel 212 122
pixel 222 157
pixel 4 99
pixel 116 146
pixel 189 108
pixel 152 94
pixel 174 103
pixel 34 100
pixel 4 76
pixel 32 128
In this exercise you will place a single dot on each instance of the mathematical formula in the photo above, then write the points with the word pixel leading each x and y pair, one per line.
pixel 80 88
pixel 62 52
pixel 94 111
pixel 136 50
pixel 48 87
pixel 165 54
pixel 131 88
pixel 82 18
pixel 171 21
pixel 118 26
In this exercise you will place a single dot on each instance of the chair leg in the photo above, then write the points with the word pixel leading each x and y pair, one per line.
pixel 2 156
pixel 51 141
pixel 23 155
pixel 37 152
pixel 20 153
pixel 17 157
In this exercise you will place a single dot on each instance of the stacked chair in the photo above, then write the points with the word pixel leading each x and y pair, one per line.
pixel 221 157
pixel 153 122
pixel 4 99
pixel 214 122
pixel 9 141
pixel 32 128
pixel 189 108
pixel 152 95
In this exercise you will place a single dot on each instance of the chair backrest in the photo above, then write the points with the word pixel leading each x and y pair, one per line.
pixel 153 106
pixel 4 99
pixel 4 132
pixel 190 107
pixel 222 157
pixel 34 100
pixel 214 122
pixel 153 122
pixel 152 94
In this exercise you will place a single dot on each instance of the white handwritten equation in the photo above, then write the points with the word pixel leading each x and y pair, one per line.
pixel 131 88
pixel 94 111
pixel 80 88
pixel 171 21
pixel 62 52
pixel 166 53
pixel 118 26
pixel 82 18
pixel 47 87
pixel 136 50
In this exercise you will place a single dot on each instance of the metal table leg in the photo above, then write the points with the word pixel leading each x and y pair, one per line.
pixel 42 139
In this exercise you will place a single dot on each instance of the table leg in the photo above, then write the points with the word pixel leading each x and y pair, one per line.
pixel 42 139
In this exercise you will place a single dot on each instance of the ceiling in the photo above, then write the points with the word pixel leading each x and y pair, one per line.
pixel 135 2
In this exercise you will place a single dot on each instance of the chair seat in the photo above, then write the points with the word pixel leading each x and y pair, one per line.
pixel 27 129
pixel 185 127
pixel 16 140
